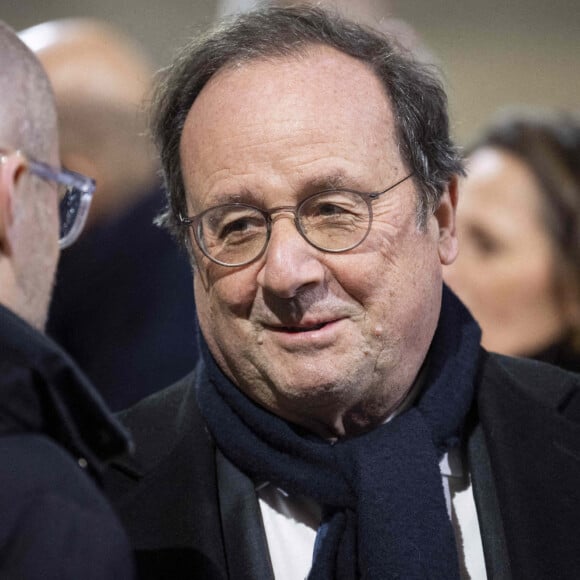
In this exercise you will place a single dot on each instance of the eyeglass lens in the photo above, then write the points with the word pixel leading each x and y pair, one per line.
pixel 70 202
pixel 331 221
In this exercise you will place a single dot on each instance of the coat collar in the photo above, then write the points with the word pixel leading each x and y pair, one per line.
pixel 42 390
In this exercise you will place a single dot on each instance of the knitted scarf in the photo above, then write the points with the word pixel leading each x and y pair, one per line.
pixel 384 513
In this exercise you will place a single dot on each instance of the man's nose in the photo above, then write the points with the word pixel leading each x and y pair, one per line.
pixel 291 264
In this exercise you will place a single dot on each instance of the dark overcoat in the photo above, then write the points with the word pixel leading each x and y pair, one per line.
pixel 55 439
pixel 191 514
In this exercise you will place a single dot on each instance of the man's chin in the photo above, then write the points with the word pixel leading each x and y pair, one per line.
pixel 299 394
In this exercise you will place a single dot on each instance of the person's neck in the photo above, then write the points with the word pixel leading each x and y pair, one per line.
pixel 9 294
pixel 332 422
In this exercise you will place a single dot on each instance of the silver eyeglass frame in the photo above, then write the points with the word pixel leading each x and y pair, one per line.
pixel 194 222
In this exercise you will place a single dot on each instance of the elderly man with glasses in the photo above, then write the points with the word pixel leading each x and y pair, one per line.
pixel 56 435
pixel 344 421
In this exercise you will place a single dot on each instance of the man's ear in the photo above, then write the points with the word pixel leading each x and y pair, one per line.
pixel 445 215
pixel 12 168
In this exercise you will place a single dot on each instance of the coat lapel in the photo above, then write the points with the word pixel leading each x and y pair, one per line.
pixel 245 541
pixel 172 517
pixel 531 429
pixel 167 494
pixel 488 513
pixel 189 512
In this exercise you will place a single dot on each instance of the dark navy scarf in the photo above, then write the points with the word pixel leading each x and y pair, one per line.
pixel 382 496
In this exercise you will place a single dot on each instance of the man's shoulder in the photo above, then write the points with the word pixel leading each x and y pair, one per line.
pixel 33 460
pixel 539 383
pixel 52 508
pixel 526 468
pixel 167 492
pixel 160 422
pixel 161 405
pixel 39 472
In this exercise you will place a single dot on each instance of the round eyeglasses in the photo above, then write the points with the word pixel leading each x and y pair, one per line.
pixel 75 193
pixel 236 234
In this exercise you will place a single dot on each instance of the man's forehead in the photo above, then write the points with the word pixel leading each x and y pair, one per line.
pixel 314 71
pixel 287 115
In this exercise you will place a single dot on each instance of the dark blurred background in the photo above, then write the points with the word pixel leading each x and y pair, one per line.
pixel 492 53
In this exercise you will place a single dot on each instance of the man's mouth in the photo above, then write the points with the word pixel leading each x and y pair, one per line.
pixel 300 328
pixel 297 329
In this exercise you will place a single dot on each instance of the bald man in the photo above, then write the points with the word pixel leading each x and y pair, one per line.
pixel 123 302
pixel 55 433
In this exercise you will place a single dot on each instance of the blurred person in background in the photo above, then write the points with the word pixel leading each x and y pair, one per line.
pixel 123 301
pixel 56 435
pixel 518 269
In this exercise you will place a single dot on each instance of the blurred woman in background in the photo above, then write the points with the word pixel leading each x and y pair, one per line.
pixel 518 215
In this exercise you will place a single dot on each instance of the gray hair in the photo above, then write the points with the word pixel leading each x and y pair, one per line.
pixel 418 99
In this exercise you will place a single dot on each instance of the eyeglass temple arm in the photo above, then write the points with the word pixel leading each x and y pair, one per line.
pixel 377 194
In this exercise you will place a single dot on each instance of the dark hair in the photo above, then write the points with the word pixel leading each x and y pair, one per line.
pixel 418 99
pixel 549 144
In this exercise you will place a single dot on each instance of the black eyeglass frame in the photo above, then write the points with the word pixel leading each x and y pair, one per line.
pixel 195 222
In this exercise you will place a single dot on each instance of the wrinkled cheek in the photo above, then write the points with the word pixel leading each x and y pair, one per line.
pixel 222 300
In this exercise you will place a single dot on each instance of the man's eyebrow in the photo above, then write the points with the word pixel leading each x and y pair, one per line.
pixel 335 180
pixel 243 195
